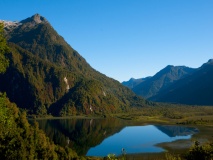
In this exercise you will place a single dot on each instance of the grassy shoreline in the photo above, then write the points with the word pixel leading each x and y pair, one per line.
pixel 199 116
pixel 139 118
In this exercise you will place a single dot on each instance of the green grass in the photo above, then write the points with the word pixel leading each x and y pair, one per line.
pixel 190 115
pixel 200 117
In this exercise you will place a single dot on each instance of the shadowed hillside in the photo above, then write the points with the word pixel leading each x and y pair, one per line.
pixel 195 89
pixel 47 76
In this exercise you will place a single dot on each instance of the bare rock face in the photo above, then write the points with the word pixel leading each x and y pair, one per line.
pixel 10 25
pixel 31 22
pixel 26 24
pixel 35 19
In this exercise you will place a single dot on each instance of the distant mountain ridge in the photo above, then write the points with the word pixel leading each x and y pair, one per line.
pixel 173 131
pixel 47 76
pixel 134 82
pixel 180 85
pixel 165 77
pixel 194 89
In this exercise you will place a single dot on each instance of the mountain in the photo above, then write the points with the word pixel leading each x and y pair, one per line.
pixel 134 82
pixel 47 76
pixel 194 89
pixel 161 80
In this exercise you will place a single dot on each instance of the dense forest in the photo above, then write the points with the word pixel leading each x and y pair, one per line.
pixel 50 77
pixel 20 140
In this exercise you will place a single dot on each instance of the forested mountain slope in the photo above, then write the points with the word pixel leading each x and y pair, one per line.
pixel 194 89
pixel 152 85
pixel 47 76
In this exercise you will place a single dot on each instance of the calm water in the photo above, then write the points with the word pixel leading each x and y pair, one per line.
pixel 134 139
pixel 99 137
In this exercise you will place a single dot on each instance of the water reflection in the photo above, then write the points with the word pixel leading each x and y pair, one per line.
pixel 136 139
pixel 80 134
pixel 99 137
pixel 173 131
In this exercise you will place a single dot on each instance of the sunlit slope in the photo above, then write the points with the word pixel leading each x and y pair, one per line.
pixel 47 76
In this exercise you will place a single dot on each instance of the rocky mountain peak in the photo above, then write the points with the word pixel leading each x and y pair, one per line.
pixel 30 22
pixel 46 72
pixel 35 19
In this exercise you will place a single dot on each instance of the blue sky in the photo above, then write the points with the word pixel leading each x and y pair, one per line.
pixel 127 38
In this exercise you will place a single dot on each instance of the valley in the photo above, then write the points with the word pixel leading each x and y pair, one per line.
pixel 72 107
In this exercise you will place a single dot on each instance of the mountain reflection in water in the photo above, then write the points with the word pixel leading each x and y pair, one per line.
pixel 99 137
pixel 80 134
pixel 173 131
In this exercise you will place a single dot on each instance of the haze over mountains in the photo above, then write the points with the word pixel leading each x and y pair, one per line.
pixel 47 76
pixel 179 84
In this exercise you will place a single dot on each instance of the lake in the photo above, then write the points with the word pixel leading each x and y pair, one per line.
pixel 100 137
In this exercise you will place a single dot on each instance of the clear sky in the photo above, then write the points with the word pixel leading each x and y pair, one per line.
pixel 127 38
